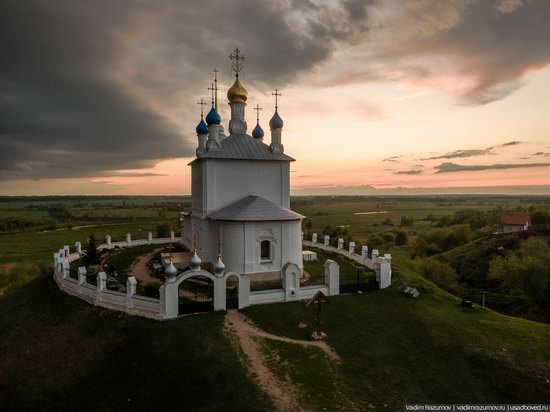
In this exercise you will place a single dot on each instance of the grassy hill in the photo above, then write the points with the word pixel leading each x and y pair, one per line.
pixel 59 353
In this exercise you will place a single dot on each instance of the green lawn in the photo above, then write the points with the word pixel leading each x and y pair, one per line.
pixel 397 350
pixel 59 353
pixel 348 267
pixel 122 260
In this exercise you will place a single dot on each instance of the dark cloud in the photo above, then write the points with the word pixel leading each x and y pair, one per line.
pixel 392 159
pixel 545 154
pixel 512 143
pixel 91 87
pixel 453 167
pixel 409 172
pixel 462 153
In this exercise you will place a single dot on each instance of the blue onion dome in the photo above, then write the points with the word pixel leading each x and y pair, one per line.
pixel 202 128
pixel 170 270
pixel 276 122
pixel 213 117
pixel 258 132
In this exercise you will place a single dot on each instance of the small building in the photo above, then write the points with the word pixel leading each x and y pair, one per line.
pixel 513 222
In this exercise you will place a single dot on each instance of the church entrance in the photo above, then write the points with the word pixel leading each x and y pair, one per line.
pixel 232 292
pixel 196 294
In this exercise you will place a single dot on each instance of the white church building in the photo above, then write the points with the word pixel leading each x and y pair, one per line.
pixel 241 194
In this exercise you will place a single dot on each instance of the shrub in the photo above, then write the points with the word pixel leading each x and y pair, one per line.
pixel 401 238
pixel 407 220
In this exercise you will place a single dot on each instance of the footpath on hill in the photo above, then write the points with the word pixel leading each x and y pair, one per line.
pixel 284 395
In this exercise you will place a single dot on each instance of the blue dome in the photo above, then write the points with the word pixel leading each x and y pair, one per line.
pixel 258 132
pixel 202 128
pixel 276 122
pixel 213 117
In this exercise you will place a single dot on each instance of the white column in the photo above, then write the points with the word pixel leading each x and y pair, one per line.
pixel 131 284
pixel 364 251
pixel 374 254
pixel 385 273
pixel 108 239
pixel 340 244
pixel 78 247
pixel 150 237
pixel 327 240
pixel 332 277
pixel 314 238
pixel 170 299
pixel 172 236
pixel 129 239
pixel 101 281
pixel 81 275
pixel 291 280
pixel 351 247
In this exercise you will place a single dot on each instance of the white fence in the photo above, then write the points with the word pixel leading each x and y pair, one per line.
pixel 380 264
pixel 167 306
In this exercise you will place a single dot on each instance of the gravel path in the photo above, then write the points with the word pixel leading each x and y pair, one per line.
pixel 140 270
pixel 284 396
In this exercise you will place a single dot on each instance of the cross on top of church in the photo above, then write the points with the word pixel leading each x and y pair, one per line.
pixel 215 71
pixel 237 59
pixel 195 238
pixel 277 94
pixel 202 103
pixel 219 243
pixel 213 89
pixel 257 108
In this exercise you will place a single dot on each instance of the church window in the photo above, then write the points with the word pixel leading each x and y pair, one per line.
pixel 266 250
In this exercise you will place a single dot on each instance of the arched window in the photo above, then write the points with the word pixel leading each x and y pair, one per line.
pixel 265 250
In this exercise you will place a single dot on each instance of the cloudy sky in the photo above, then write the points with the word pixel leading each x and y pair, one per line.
pixel 99 97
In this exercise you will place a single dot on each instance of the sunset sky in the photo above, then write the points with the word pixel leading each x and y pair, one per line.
pixel 384 96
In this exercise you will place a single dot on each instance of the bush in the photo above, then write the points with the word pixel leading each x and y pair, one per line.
pixel 151 289
pixel 407 220
pixel 401 238
pixel 440 273
pixel 388 237
pixel 163 230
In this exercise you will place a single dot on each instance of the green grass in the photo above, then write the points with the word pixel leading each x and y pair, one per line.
pixel 397 350
pixel 59 353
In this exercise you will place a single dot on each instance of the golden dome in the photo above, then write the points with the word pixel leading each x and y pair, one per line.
pixel 237 93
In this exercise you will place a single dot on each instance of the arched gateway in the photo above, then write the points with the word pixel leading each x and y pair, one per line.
pixel 197 290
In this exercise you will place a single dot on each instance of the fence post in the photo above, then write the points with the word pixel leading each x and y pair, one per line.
pixel 131 284
pixel 101 282
pixel 150 237
pixel 172 236
pixel 108 238
pixel 332 277
pixel 340 244
pixel 364 251
pixel 327 240
pixel 78 247
pixel 314 238
pixel 351 248
pixel 374 254
pixel 129 239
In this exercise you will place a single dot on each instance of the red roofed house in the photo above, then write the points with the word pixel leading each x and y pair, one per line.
pixel 515 222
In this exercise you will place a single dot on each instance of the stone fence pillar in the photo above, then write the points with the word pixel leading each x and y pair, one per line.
pixel 351 248
pixel 101 281
pixel 385 273
pixel 314 238
pixel 291 278
pixel 149 237
pixel 108 239
pixel 131 284
pixel 374 254
pixel 81 275
pixel 340 244
pixel 332 277
pixel 327 240
pixel 364 251
pixel 172 236
pixel 78 247
pixel 129 239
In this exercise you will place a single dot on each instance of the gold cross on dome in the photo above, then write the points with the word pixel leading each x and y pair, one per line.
pixel 202 103
pixel 257 108
pixel 277 94
pixel 237 59
pixel 219 243
pixel 195 238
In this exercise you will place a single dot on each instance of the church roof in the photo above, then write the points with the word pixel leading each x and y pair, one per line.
pixel 244 147
pixel 254 208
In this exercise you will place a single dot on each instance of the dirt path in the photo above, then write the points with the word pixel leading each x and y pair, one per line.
pixel 284 396
pixel 140 270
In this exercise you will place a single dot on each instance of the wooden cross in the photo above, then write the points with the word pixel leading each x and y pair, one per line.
pixel 216 71
pixel 237 59
pixel 277 94
pixel 202 104
pixel 257 108
pixel 319 298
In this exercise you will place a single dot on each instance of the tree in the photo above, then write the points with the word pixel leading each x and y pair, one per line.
pixel 91 254
pixel 309 225
pixel 163 230
pixel 401 238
